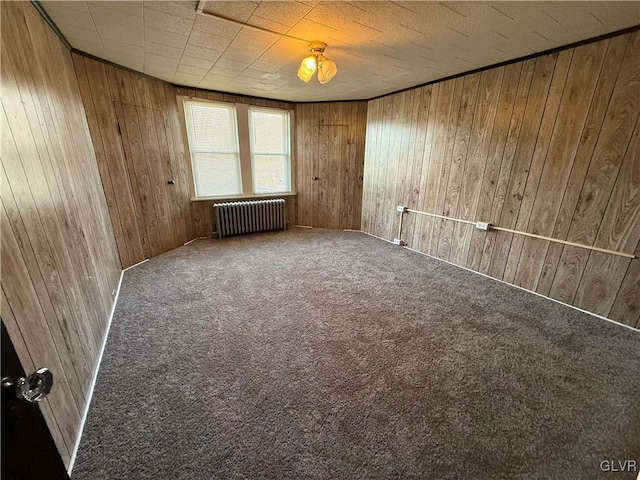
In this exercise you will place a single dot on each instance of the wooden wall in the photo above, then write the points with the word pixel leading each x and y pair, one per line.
pixel 329 145
pixel 138 142
pixel 549 145
pixel 136 127
pixel 60 265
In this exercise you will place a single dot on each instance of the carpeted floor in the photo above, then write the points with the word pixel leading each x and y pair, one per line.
pixel 316 354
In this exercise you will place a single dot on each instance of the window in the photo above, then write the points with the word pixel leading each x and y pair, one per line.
pixel 269 133
pixel 237 150
pixel 213 142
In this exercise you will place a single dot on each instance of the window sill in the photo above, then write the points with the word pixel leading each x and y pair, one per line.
pixel 243 197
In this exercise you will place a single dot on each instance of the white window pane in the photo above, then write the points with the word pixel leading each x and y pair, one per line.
pixel 270 132
pixel 216 174
pixel 213 128
pixel 213 143
pixel 271 173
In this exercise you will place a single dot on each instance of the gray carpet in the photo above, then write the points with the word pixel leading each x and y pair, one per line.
pixel 316 354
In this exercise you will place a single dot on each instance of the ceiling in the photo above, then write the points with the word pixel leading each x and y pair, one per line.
pixel 379 47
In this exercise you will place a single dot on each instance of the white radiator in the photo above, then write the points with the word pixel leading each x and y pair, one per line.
pixel 235 218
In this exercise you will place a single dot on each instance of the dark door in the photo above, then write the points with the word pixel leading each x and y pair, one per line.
pixel 28 451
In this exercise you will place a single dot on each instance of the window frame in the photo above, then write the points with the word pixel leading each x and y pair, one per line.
pixel 234 121
pixel 287 154
pixel 246 156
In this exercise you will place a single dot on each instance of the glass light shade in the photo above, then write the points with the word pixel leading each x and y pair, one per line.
pixel 326 70
pixel 307 68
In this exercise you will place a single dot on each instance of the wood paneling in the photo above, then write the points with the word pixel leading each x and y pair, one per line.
pixel 60 264
pixel 330 146
pixel 135 127
pixel 548 145
pixel 137 131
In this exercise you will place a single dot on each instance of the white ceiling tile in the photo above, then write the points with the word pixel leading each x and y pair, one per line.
pixel 221 72
pixel 240 11
pixel 259 74
pixel 162 50
pixel 78 36
pixel 255 39
pixel 286 13
pixel 199 63
pixel 159 72
pixel 287 49
pixel 266 66
pixel 378 15
pixel 167 22
pixel 118 48
pixel 128 37
pixel 202 52
pixel 186 79
pixel 239 57
pixel 268 24
pixel 123 7
pixel 181 9
pixel 114 25
pixel 233 64
pixel 312 31
pixel 250 44
pixel 103 15
pixel 71 17
pixel 208 40
pixel 215 26
pixel 158 61
pixel 160 37
pixel 213 84
pixel 191 70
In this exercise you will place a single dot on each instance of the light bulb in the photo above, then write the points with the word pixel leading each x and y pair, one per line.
pixel 307 68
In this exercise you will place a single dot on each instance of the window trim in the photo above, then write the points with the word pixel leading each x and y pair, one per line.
pixel 245 150
pixel 189 150
pixel 253 154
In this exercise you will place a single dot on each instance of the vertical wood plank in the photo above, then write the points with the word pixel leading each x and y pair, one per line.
pixel 540 117
pixel 442 194
pixel 451 231
pixel 512 195
pixel 494 199
pixel 131 131
pixel 476 165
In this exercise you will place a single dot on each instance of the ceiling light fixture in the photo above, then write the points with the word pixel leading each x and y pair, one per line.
pixel 317 61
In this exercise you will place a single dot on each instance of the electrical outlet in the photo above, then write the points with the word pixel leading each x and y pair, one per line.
pixel 401 208
pixel 483 225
